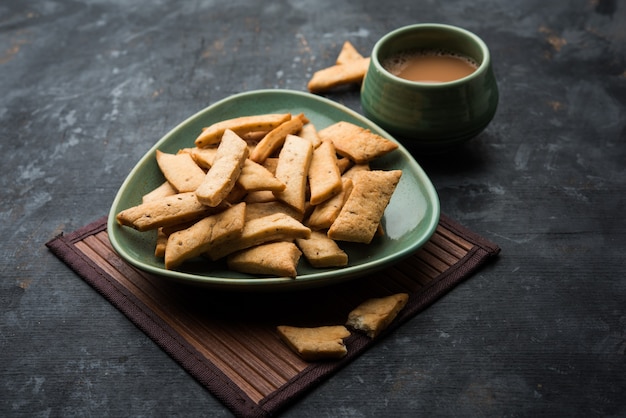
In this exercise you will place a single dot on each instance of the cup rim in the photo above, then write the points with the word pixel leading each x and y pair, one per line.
pixel 482 68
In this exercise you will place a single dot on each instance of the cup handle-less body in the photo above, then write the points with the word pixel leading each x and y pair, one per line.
pixel 430 115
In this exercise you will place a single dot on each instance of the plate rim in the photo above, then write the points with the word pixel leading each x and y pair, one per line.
pixel 322 278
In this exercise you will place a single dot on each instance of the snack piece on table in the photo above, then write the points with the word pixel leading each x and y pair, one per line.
pixel 318 343
pixel 337 75
pixel 348 54
pixel 374 315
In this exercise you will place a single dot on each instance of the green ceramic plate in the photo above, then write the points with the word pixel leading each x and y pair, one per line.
pixel 410 218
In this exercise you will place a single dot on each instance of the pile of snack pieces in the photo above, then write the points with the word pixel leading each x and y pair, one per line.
pixel 259 191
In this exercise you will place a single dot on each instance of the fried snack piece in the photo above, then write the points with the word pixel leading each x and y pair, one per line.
pixel 253 176
pixel 275 139
pixel 337 75
pixel 168 211
pixel 165 189
pixel 348 54
pixel 200 237
pixel 321 251
pixel 273 259
pixel 180 170
pixel 359 144
pixel 223 174
pixel 324 174
pixel 161 243
pixel 375 315
pixel 243 125
pixel 204 157
pixel 324 214
pixel 319 343
pixel 256 177
pixel 261 209
pixel 275 227
pixel 294 161
pixel 309 131
pixel 361 214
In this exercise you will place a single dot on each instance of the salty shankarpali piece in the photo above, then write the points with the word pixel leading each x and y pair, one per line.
pixel 317 343
pixel 361 214
pixel 206 233
pixel 180 170
pixel 165 189
pixel 374 315
pixel 278 259
pixel 321 251
pixel 348 54
pixel 337 75
pixel 292 169
pixel 168 211
pixel 324 214
pixel 324 174
pixel 243 125
pixel 355 142
pixel 275 139
pixel 224 172
pixel 275 227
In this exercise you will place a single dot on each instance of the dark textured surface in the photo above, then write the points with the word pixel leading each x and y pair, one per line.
pixel 87 87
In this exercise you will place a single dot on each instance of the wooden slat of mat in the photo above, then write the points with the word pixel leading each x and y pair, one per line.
pixel 235 351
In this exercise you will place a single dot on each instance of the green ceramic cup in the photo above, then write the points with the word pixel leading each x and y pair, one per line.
pixel 430 115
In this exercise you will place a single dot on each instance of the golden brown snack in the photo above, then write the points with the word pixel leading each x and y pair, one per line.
pixel 223 174
pixel 278 259
pixel 309 132
pixel 361 214
pixel 313 344
pixel 375 315
pixel 161 243
pixel 204 157
pixel 261 209
pixel 203 235
pixel 256 177
pixel 293 165
pixel 324 214
pixel 324 174
pixel 357 143
pixel 170 210
pixel 243 125
pixel 165 189
pixel 275 227
pixel 275 139
pixel 180 170
pixel 321 251
pixel 337 75
pixel 348 54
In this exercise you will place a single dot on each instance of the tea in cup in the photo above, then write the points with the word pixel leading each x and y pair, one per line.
pixel 430 85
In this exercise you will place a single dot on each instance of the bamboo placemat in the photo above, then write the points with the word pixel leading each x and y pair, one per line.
pixel 228 342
